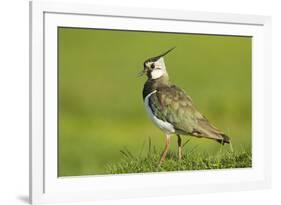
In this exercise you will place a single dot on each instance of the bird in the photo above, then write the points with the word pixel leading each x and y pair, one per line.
pixel 171 109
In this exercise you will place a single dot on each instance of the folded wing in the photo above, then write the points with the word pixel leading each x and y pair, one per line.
pixel 173 105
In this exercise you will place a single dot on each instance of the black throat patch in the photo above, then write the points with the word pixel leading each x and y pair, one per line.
pixel 154 84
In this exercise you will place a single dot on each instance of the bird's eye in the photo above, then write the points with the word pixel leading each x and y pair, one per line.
pixel 152 65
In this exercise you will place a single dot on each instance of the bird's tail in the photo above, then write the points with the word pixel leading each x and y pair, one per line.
pixel 208 130
pixel 225 139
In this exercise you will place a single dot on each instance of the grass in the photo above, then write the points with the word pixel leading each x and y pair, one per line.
pixel 191 160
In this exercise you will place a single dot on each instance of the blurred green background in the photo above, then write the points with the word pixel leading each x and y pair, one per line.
pixel 101 109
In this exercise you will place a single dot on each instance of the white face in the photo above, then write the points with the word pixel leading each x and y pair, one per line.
pixel 159 69
pixel 157 73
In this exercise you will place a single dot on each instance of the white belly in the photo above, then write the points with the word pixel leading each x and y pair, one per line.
pixel 166 127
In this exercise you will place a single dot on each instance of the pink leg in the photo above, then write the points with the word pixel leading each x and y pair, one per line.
pixel 168 142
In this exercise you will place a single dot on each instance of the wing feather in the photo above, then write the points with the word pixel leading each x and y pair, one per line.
pixel 173 105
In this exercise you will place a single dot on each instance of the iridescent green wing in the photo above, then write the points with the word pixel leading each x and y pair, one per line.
pixel 171 104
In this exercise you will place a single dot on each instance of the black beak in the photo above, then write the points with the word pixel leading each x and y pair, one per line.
pixel 141 73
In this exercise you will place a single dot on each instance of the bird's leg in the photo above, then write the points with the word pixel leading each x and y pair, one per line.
pixel 168 141
pixel 179 147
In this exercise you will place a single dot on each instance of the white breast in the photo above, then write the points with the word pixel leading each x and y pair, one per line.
pixel 166 127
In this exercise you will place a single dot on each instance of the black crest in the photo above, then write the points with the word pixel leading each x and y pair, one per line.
pixel 153 59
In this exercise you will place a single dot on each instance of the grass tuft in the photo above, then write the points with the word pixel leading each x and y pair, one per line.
pixel 191 161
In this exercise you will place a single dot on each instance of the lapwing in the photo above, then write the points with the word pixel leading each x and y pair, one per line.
pixel 171 109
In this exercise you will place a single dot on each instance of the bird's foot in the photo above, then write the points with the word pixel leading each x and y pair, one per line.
pixel 160 163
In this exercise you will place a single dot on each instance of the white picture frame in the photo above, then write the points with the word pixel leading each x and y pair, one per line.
pixel 46 187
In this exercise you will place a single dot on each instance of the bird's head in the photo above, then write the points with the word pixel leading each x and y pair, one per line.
pixel 154 67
